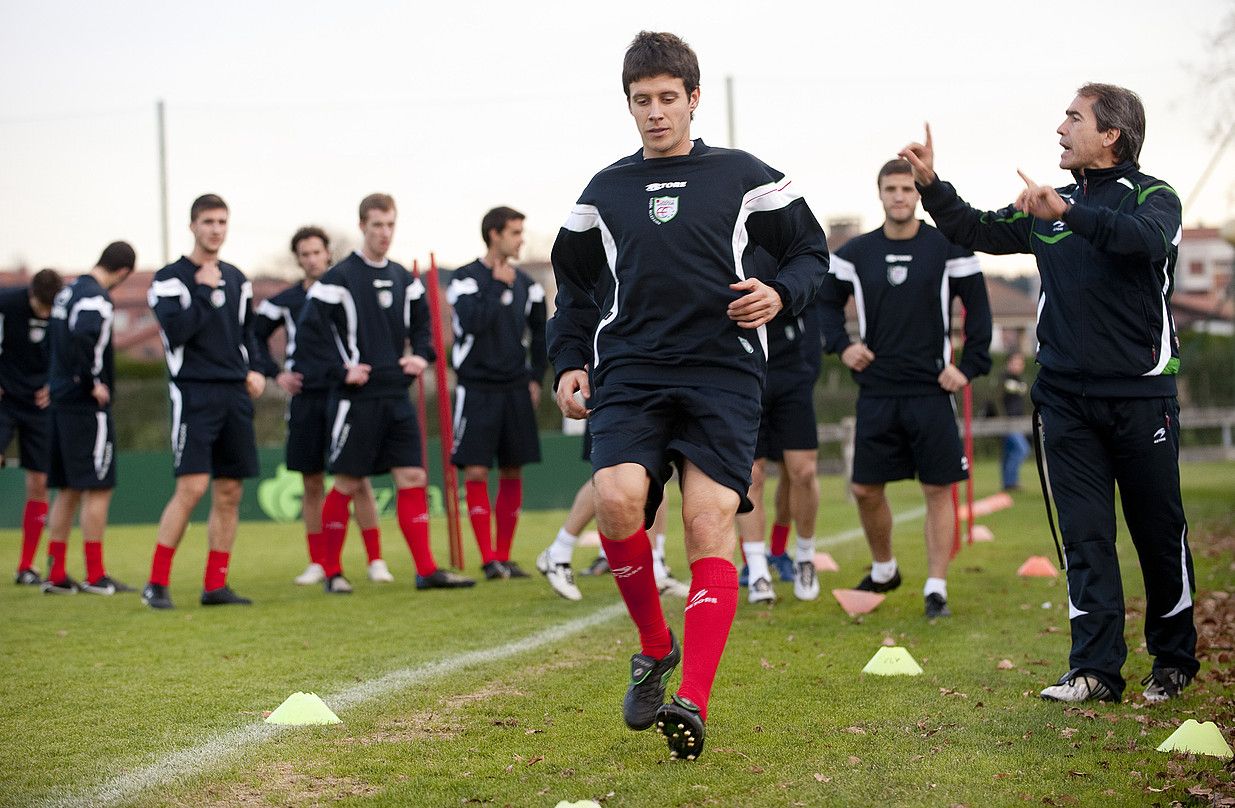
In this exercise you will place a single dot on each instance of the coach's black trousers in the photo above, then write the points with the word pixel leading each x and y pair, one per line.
pixel 1091 445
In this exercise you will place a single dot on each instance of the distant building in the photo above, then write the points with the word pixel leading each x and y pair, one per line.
pixel 1203 289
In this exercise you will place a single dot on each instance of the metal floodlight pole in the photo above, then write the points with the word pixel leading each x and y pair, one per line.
pixel 450 475
pixel 162 133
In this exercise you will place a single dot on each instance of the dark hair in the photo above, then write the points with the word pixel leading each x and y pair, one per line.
pixel 496 219
pixel 1118 108
pixel 44 286
pixel 897 166
pixel 382 202
pixel 657 54
pixel 204 203
pixel 117 256
pixel 312 231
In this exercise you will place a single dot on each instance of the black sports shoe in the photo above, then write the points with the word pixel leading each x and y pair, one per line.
pixel 1164 683
pixel 27 577
pixel 65 586
pixel 646 692
pixel 937 606
pixel 868 584
pixel 680 724
pixel 494 571
pixel 156 597
pixel 514 569
pixel 443 579
pixel 223 596
pixel 337 585
pixel 106 585
pixel 598 567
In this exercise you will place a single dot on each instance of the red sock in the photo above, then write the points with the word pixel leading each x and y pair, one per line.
pixel 372 543
pixel 478 512
pixel 94 561
pixel 216 570
pixel 631 562
pixel 315 542
pixel 161 567
pixel 780 538
pixel 56 550
pixel 509 501
pixel 413 510
pixel 334 531
pixel 709 615
pixel 32 520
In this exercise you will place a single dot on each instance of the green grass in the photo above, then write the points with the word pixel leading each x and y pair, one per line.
pixel 93 688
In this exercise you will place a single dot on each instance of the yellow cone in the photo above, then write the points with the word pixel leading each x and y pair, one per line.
pixel 893 661
pixel 303 709
pixel 1199 739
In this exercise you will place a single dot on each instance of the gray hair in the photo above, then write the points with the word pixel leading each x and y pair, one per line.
pixel 1119 108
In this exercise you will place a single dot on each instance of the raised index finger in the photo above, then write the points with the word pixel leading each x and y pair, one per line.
pixel 1032 185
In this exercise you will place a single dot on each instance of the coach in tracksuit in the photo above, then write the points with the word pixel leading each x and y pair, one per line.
pixel 500 358
pixel 205 313
pixel 1106 247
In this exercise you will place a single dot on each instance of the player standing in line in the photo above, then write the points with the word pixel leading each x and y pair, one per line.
pixel 903 278
pixel 1015 447
pixel 306 381
pixel 375 315
pixel 499 356
pixel 656 243
pixel 24 398
pixel 788 435
pixel 1106 247
pixel 205 311
pixel 83 435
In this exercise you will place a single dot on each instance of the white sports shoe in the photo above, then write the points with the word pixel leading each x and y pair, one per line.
pixel 1078 687
pixel 805 582
pixel 673 587
pixel 561 577
pixel 761 591
pixel 313 574
pixel 379 573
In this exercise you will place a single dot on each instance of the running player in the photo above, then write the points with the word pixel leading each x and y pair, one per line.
pixel 82 379
pixel 205 313
pixel 24 398
pixel 375 314
pixel 305 380
pixel 676 362
pixel 903 278
pixel 500 358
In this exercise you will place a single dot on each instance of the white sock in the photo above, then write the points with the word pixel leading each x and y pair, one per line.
pixel 938 586
pixel 659 547
pixel 602 552
pixel 756 559
pixel 806 549
pixel 658 567
pixel 563 547
pixel 883 571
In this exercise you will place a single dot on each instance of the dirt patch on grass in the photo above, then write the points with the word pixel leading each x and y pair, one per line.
pixel 281 784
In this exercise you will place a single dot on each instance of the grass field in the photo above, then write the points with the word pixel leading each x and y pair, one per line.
pixel 508 695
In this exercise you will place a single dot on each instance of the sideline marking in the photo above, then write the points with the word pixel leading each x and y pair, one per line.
pixel 193 761
pixel 857 532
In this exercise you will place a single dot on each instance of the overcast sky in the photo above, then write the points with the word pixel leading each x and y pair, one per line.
pixel 294 111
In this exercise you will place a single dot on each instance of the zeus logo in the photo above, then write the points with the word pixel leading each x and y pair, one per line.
pixel 1160 435
pixel 660 186
pixel 698 599
pixel 626 572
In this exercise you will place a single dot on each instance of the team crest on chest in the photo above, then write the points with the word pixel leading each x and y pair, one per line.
pixel 217 298
pixel 662 209
pixel 385 298
pixel 897 273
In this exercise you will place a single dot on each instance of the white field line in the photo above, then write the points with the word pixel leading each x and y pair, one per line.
pixel 193 761
pixel 855 533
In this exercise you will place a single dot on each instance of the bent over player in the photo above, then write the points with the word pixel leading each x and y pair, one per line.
pixel 375 314
pixel 499 357
pixel 653 301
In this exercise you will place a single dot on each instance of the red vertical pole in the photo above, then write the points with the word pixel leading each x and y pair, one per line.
pixel 968 398
pixel 450 475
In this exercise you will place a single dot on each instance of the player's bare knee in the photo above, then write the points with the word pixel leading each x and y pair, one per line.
pixel 227 492
pixel 937 493
pixel 190 488
pixel 475 474
pixel 413 477
pixel 36 486
pixel 867 495
pixel 314 486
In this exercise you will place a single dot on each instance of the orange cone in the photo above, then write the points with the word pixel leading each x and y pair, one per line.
pixel 857 602
pixel 985 506
pixel 981 533
pixel 1038 567
pixel 825 563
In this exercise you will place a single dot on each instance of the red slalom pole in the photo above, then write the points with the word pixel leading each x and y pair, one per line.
pixel 421 412
pixel 450 475
pixel 968 399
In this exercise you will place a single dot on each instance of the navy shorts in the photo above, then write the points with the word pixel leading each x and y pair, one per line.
pixel 497 424
pixel 657 427
pixel 32 426
pixel 788 420
pixel 371 436
pixel 83 448
pixel 308 430
pixel 898 438
pixel 212 430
